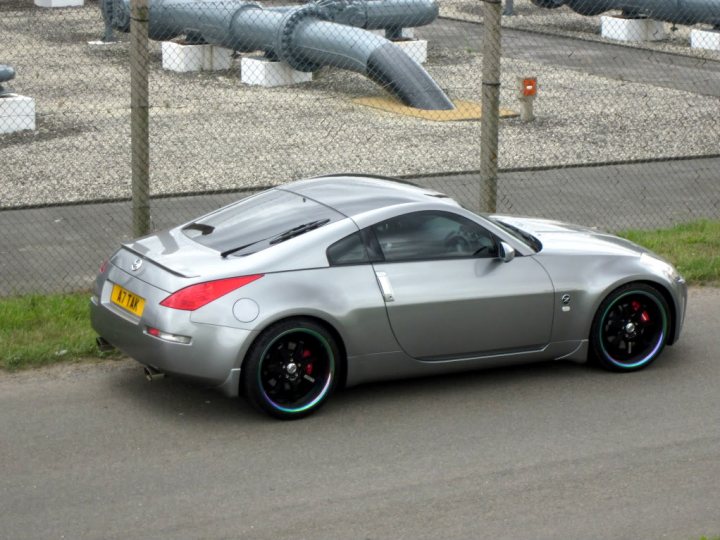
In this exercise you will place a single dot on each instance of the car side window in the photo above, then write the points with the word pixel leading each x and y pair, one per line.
pixel 349 250
pixel 433 235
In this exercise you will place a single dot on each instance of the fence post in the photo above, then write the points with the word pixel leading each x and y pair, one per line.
pixel 490 104
pixel 139 123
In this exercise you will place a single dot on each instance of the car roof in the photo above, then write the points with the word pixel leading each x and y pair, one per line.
pixel 352 195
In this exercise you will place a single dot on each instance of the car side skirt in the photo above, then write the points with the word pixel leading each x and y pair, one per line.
pixel 398 365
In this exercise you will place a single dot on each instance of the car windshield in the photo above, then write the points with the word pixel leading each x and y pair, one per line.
pixel 525 237
pixel 259 222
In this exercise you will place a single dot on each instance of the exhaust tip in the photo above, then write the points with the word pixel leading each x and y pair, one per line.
pixel 152 374
pixel 104 345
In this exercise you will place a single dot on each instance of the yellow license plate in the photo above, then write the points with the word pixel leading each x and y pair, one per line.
pixel 127 300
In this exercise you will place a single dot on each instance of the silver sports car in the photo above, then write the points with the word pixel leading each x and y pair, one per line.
pixel 289 294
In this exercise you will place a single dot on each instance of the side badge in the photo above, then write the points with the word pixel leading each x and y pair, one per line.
pixel 566 302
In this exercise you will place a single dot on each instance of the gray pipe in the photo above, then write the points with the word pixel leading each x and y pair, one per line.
pixel 6 74
pixel 674 11
pixel 306 37
pixel 367 14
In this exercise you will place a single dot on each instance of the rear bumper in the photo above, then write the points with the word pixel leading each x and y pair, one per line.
pixel 212 357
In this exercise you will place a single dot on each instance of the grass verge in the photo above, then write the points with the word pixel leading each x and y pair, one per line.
pixel 694 248
pixel 37 330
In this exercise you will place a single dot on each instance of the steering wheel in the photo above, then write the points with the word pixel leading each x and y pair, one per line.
pixel 456 244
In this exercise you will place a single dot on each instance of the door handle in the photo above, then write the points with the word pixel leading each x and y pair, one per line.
pixel 385 286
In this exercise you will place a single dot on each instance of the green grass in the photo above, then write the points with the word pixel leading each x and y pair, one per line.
pixel 37 330
pixel 694 248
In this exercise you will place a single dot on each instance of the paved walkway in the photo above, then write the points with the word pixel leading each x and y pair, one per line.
pixel 60 248
pixel 667 70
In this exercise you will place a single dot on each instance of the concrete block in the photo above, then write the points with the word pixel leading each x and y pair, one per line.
pixel 184 58
pixel 622 29
pixel 259 71
pixel 705 39
pixel 405 33
pixel 17 113
pixel 59 3
pixel 100 44
pixel 414 48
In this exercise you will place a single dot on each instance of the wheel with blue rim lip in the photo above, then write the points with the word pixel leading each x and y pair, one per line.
pixel 291 369
pixel 630 328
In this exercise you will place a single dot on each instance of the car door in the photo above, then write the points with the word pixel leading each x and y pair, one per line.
pixel 448 294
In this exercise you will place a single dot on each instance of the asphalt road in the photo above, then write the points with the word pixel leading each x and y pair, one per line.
pixel 552 450
pixel 614 61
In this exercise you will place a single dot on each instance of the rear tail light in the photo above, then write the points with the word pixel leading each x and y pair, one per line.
pixel 196 296
pixel 103 266
pixel 155 332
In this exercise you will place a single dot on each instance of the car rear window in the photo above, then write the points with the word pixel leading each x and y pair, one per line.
pixel 259 222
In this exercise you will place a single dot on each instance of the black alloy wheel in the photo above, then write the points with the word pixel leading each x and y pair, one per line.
pixel 291 369
pixel 630 328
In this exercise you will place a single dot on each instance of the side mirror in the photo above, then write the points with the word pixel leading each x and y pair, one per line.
pixel 507 252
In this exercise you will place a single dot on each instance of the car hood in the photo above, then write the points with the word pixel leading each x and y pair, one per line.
pixel 558 236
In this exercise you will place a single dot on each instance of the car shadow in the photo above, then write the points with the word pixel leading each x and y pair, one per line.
pixel 176 398
pixel 173 397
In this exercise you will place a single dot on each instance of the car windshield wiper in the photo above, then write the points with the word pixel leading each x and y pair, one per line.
pixel 281 237
pixel 236 249
pixel 297 231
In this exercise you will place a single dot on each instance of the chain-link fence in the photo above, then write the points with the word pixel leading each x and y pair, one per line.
pixel 242 96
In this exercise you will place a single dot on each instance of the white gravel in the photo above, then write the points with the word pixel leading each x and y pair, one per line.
pixel 208 131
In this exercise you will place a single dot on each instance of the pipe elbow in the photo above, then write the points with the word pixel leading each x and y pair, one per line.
pixel 395 71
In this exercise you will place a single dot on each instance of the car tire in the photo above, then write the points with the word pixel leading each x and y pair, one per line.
pixel 630 328
pixel 291 369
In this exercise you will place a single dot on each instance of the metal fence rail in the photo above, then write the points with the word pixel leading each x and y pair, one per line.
pixel 626 132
